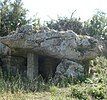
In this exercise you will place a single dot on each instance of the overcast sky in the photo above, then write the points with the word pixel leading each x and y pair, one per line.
pixel 47 9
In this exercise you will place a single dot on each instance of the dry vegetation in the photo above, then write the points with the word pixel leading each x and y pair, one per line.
pixel 92 88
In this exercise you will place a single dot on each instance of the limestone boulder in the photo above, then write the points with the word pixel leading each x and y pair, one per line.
pixel 68 69
pixel 57 44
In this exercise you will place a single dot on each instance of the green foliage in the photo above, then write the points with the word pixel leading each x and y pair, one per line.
pixel 53 90
pixel 89 91
pixel 98 92
pixel 64 23
pixel 78 93
pixel 97 26
pixel 13 15
pixel 98 70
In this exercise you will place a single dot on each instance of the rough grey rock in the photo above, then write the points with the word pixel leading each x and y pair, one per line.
pixel 4 50
pixel 67 69
pixel 62 45
pixel 104 47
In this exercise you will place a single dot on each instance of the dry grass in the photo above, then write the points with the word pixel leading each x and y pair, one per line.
pixel 54 94
pixel 26 96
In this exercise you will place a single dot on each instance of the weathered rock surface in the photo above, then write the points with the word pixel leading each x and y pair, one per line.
pixel 66 46
pixel 104 43
pixel 2 48
pixel 67 69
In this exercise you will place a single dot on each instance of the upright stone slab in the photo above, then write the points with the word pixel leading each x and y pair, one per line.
pixel 32 66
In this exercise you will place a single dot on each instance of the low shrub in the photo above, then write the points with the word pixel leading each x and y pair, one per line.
pixel 98 92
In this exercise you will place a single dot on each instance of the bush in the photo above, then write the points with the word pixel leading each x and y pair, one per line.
pixel 64 23
pixel 98 92
pixel 78 92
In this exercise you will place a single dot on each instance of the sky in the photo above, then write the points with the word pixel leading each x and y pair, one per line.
pixel 51 9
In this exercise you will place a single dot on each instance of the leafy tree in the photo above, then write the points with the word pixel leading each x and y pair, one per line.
pixel 12 15
pixel 97 26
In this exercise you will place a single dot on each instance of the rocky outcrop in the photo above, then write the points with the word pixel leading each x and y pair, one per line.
pixel 63 45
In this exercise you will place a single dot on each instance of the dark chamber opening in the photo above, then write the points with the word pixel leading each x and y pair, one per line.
pixel 47 66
